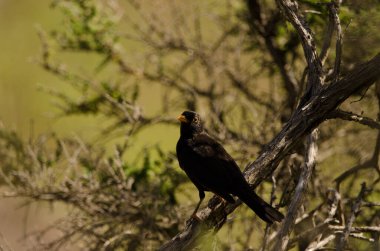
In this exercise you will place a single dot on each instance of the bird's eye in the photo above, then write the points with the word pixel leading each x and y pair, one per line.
pixel 196 120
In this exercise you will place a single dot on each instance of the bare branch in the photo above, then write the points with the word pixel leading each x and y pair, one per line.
pixel 327 40
pixel 365 229
pixel 371 204
pixel 222 60
pixel 355 211
pixel 350 116
pixel 321 243
pixel 302 121
pixel 334 10
pixel 315 71
pixel 370 163
pixel 265 30
pixel 307 169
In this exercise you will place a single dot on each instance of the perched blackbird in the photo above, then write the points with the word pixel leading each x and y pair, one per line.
pixel 211 168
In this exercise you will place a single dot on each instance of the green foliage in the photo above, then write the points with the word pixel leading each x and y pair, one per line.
pixel 89 26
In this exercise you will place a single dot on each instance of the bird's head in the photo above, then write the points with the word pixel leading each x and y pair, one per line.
pixel 190 123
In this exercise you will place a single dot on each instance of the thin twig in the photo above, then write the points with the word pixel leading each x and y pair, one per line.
pixel 334 10
pixel 354 213
pixel 307 169
pixel 350 116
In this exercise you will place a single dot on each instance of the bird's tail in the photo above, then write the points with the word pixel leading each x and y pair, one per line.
pixel 265 211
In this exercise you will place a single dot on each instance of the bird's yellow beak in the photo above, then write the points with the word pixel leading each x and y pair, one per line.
pixel 182 119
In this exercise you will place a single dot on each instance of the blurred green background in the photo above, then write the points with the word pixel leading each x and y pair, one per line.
pixel 29 110
pixel 22 107
pixel 20 101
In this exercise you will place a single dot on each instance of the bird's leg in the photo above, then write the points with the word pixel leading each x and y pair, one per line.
pixel 201 198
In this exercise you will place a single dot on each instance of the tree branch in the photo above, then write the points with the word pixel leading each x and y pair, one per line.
pixel 304 119
pixel 314 64
pixel 334 9
pixel 340 114
pixel 370 163
pixel 355 211
pixel 265 30
pixel 307 169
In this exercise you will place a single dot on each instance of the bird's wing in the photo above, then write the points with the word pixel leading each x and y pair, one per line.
pixel 216 159
pixel 207 147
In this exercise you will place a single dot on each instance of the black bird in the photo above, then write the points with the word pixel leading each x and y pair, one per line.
pixel 211 168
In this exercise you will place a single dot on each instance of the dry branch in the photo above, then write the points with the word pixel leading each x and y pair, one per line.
pixel 265 30
pixel 115 209
pixel 307 169
pixel 314 64
pixel 334 10
pixel 355 211
pixel 370 163
pixel 349 116
pixel 303 120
